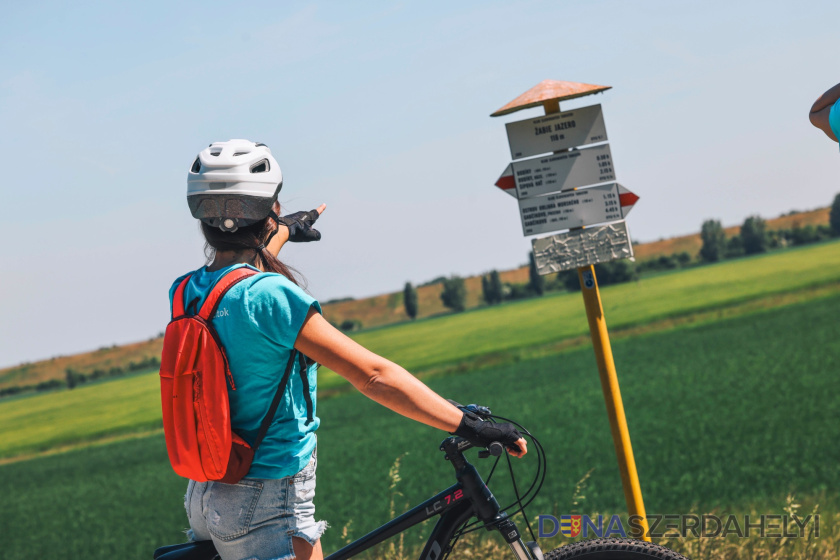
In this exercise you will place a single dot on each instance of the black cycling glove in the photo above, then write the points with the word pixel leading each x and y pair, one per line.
pixel 483 432
pixel 300 226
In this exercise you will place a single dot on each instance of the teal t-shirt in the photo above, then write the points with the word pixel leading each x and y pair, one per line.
pixel 834 119
pixel 258 321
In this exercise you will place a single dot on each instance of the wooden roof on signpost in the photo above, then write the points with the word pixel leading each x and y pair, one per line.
pixel 548 93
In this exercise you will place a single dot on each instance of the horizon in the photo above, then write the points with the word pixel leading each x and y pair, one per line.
pixel 424 283
pixel 380 111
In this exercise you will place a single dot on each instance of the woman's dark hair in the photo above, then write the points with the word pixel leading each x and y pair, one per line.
pixel 248 238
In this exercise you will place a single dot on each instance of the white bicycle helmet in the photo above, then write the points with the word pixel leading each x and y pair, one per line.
pixel 233 184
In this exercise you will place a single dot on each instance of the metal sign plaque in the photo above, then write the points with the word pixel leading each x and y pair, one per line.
pixel 574 249
pixel 557 131
pixel 573 209
pixel 561 172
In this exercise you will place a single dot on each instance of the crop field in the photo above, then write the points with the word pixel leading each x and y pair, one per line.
pixel 730 415
pixel 540 320
pixel 132 404
pixel 385 309
pixel 87 413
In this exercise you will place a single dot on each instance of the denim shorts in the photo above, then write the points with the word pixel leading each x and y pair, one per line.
pixel 255 519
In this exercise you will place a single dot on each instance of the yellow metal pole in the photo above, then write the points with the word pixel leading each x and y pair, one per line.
pixel 609 384
pixel 612 395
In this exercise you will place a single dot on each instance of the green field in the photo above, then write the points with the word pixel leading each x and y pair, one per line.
pixel 723 415
pixel 87 413
pixel 557 316
pixel 42 421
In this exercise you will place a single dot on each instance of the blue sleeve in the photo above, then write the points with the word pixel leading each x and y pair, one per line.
pixel 834 119
pixel 278 307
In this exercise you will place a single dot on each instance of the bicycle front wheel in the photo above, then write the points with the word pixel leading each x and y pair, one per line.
pixel 613 549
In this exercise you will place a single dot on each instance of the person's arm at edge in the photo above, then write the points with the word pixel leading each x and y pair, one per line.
pixel 377 378
pixel 821 109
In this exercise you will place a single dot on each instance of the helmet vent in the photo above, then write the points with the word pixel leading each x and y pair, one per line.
pixel 215 153
pixel 260 167
pixel 196 167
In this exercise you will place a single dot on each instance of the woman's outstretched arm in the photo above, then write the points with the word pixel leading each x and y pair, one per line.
pixel 821 109
pixel 377 378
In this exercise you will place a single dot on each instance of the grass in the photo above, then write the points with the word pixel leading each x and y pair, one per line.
pixel 88 412
pixel 537 321
pixel 539 326
pixel 377 311
pixel 727 416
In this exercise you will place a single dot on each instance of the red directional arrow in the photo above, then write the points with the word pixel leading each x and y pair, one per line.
pixel 506 182
pixel 627 199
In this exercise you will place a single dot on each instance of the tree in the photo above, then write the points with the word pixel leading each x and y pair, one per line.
pixel 73 378
pixel 410 300
pixel 454 294
pixel 349 325
pixel 491 288
pixel 834 216
pixel 535 280
pixel 491 291
pixel 616 272
pixel 569 280
pixel 613 272
pixel 734 247
pixel 754 235
pixel 714 241
pixel 70 376
pixel 496 287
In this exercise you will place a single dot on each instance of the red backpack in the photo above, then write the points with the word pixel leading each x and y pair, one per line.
pixel 194 376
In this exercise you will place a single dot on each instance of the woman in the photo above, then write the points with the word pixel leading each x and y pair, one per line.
pixel 232 189
pixel 825 113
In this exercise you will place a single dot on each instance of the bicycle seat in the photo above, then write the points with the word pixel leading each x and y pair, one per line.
pixel 201 550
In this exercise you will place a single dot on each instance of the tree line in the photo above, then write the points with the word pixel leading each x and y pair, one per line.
pixel 753 238
pixel 73 377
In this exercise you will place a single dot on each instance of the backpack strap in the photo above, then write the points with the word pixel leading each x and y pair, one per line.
pixel 178 298
pixel 225 283
pixel 304 377
pixel 272 410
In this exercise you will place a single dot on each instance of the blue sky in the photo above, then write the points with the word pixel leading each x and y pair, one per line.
pixel 381 110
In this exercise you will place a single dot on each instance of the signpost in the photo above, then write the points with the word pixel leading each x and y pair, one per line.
pixel 559 172
pixel 555 132
pixel 582 247
pixel 576 208
pixel 549 200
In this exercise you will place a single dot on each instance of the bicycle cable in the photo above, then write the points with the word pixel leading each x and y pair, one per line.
pixel 527 497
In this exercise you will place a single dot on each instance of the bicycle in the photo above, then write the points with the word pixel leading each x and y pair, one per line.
pixel 469 498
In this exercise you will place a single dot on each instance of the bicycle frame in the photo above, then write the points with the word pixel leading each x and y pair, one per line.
pixel 455 506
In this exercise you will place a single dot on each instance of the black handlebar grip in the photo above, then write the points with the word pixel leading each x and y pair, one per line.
pixel 495 448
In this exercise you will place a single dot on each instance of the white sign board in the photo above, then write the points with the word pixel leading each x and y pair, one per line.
pixel 557 131
pixel 562 172
pixel 573 209
pixel 574 249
